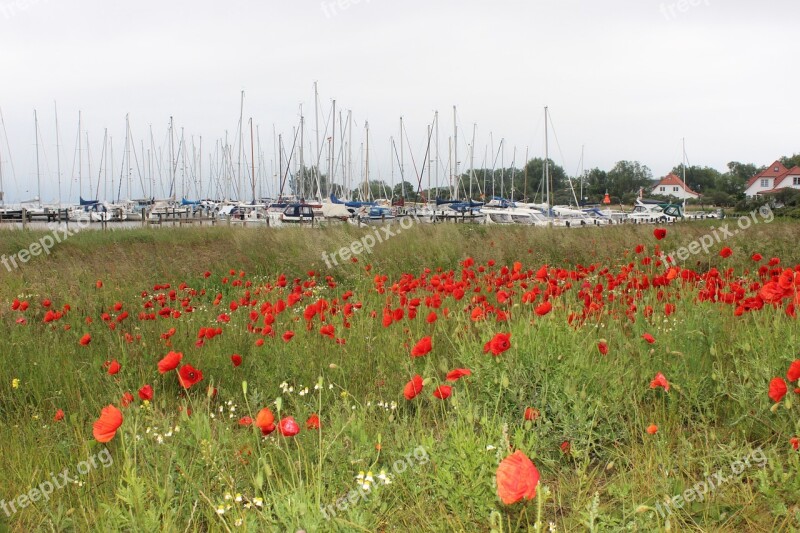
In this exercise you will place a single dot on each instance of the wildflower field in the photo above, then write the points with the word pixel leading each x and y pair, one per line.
pixel 457 378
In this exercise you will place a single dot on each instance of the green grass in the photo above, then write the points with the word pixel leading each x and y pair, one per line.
pixel 716 412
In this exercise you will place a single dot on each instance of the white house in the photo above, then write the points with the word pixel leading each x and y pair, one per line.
pixel 672 185
pixel 773 179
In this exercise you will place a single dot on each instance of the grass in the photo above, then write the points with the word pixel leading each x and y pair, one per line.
pixel 174 471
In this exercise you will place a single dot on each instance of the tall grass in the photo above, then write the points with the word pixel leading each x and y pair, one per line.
pixel 178 471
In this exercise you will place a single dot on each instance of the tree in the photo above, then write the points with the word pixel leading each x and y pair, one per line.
pixel 791 162
pixel 405 190
pixel 627 177
pixel 699 179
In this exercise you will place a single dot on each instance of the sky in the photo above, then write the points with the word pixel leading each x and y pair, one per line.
pixel 623 80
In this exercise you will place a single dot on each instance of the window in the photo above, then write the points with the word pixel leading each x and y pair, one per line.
pixel 777 169
pixel 796 180
pixel 765 183
pixel 675 189
pixel 663 189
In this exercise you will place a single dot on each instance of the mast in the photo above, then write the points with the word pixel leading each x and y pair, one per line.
pixel 546 162
pixel 402 156
pixel 316 127
pixel 58 161
pixel 128 154
pixel 301 189
pixel 683 164
pixel 332 151
pixel 38 175
pixel 366 166
pixel 239 164
pixel 472 159
pixel 80 159
pixel 252 161
pixel 455 147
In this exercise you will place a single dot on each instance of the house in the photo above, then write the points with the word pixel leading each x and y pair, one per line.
pixel 772 180
pixel 672 185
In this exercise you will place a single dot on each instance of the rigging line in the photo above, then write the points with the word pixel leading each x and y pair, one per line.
pixel 8 149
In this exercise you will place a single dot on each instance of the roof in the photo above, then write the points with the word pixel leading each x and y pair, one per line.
pixel 673 180
pixel 795 171
pixel 775 170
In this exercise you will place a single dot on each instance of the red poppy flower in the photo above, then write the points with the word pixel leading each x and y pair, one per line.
pixel 649 338
pixel 313 422
pixel 757 257
pixel 443 392
pixel 499 344
pixel 126 400
pixel 85 340
pixel 288 427
pixel 188 376
pixel 146 393
pixel 531 414
pixel 517 478
pixel 659 233
pixel 265 421
pixel 245 421
pixel 288 336
pixel 113 367
pixel 795 442
pixel 432 317
pixel 602 347
pixel 793 374
pixel 543 308
pixel 777 389
pixel 413 387
pixel 327 331
pixel 458 373
pixel 660 381
pixel 422 347
pixel 725 253
pixel 99 284
pixel 652 429
pixel 105 427
pixel 170 362
pixel 236 359
pixel 59 415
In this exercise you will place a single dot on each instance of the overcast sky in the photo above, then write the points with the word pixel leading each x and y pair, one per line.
pixel 627 79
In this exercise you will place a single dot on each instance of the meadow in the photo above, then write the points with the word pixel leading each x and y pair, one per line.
pixel 254 388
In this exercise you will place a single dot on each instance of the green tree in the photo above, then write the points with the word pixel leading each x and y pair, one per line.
pixel 627 177
pixel 699 179
pixel 791 162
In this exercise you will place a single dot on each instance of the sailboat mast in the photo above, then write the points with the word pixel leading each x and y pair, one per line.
pixel 316 127
pixel 332 151
pixel 252 161
pixel 472 159
pixel 58 159
pixel 38 175
pixel 683 163
pixel 301 189
pixel 80 159
pixel 455 149
pixel 546 161
pixel 366 166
